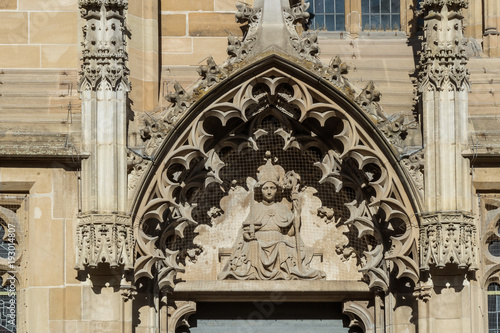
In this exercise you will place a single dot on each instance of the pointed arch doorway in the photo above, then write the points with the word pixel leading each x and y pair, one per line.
pixel 338 229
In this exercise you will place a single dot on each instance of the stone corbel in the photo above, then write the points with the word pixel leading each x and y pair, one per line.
pixel 448 238
pixel 104 239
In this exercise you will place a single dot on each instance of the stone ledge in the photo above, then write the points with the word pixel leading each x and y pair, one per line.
pixel 248 290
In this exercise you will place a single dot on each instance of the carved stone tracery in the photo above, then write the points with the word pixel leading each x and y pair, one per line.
pixel 198 163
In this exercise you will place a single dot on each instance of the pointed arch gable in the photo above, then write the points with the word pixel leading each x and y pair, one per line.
pixel 295 70
pixel 358 156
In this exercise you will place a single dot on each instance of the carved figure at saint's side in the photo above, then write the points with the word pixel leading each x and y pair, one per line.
pixel 268 246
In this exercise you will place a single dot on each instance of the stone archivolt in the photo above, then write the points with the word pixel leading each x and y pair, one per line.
pixel 201 167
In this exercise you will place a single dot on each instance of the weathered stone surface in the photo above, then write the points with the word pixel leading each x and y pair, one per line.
pixel 212 24
pixel 13 27
pixel 43 32
pixel 187 5
pixel 173 25
pixel 8 4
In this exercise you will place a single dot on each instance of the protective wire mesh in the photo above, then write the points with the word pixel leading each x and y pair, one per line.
pixel 239 165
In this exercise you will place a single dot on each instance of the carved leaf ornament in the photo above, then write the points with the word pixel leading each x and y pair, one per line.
pixel 223 145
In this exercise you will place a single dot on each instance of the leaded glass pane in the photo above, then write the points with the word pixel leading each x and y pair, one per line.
pixel 319 6
pixel 330 22
pixel 340 22
pixel 386 6
pixel 375 6
pixel 494 248
pixel 326 14
pixel 396 22
pixel 8 307
pixel 365 6
pixel 4 251
pixel 329 6
pixel 380 14
pixel 493 307
pixel 339 7
pixel 386 22
pixel 395 6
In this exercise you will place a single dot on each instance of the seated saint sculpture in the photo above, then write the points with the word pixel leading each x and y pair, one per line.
pixel 268 246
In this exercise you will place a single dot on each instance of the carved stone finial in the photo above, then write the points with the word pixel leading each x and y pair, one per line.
pixel 306 45
pixel 335 72
pixel 180 100
pixel 238 49
pixel 210 74
pixel 368 99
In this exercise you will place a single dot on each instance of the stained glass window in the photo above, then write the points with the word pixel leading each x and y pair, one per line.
pixel 327 15
pixel 380 15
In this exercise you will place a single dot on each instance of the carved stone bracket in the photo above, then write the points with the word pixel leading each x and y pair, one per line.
pixel 238 49
pixel 383 241
pixel 448 238
pixel 423 291
pixel 368 99
pixel 104 238
pixel 104 54
pixel 210 75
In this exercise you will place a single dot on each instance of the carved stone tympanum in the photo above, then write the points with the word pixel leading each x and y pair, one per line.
pixel 269 246
pixel 205 214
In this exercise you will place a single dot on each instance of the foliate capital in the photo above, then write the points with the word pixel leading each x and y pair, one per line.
pixel 104 238
pixel 448 238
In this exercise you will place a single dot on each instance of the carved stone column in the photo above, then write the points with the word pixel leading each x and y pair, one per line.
pixel 104 232
pixel 448 228
pixel 444 85
pixel 491 37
